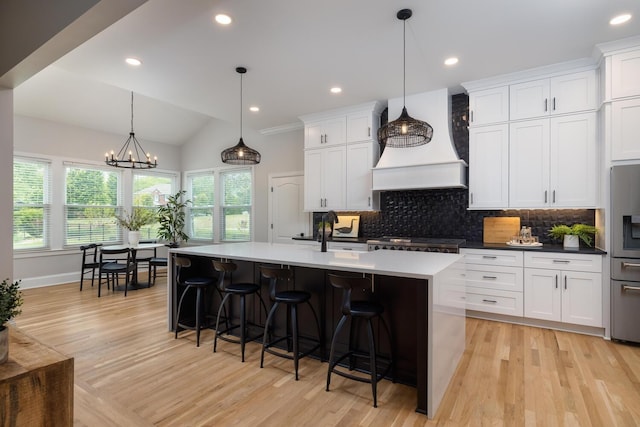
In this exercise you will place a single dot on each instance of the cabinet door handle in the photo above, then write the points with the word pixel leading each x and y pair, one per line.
pixel 325 202
pixel 554 196
pixel 545 104
pixel 489 277
pixel 630 288
pixel 554 103
pixel 471 115
pixel 325 138
pixel 369 201
pixel 490 301
pixel 369 131
pixel 471 197
pixel 565 283
pixel 545 196
pixel 630 265
pixel 561 261
pixel 556 281
pixel 489 257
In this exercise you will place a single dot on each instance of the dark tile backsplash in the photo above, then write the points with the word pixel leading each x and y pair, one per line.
pixel 443 213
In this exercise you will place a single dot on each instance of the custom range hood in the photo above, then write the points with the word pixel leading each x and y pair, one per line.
pixel 434 165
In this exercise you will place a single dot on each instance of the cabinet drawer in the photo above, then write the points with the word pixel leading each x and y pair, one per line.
pixel 564 261
pixel 494 301
pixel 507 258
pixel 495 277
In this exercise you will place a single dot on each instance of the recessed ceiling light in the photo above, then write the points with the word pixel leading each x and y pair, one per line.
pixel 223 19
pixel 451 61
pixel 620 19
pixel 133 61
pixel 254 109
pixel 336 89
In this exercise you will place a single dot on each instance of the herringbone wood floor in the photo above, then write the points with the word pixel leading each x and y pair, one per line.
pixel 130 371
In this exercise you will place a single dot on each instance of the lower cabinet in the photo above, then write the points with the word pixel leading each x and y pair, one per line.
pixel 548 286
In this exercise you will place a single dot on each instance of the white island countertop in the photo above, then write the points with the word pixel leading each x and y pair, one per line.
pixel 418 265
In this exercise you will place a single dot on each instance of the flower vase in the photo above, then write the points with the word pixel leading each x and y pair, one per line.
pixel 571 242
pixel 134 238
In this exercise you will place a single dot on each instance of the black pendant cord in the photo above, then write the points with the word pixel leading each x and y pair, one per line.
pixel 131 112
pixel 240 105
pixel 404 62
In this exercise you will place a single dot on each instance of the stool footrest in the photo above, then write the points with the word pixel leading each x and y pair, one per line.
pixel 237 340
pixel 285 354
pixel 384 361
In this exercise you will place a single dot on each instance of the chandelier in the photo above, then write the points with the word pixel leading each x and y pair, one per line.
pixel 131 155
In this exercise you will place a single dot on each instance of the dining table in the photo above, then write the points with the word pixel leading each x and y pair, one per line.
pixel 134 283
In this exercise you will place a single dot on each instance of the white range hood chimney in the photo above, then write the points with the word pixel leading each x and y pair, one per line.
pixel 433 165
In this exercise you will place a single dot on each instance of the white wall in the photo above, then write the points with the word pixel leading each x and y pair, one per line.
pixel 6 183
pixel 281 152
pixel 46 138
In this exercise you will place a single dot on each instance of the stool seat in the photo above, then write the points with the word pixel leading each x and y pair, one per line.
pixel 366 309
pixel 292 297
pixel 241 288
pixel 199 281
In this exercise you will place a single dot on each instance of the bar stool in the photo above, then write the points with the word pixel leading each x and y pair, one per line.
pixel 228 289
pixel 200 285
pixel 358 310
pixel 291 298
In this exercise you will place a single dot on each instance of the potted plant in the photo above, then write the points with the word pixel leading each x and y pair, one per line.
pixel 10 303
pixel 133 222
pixel 572 235
pixel 171 217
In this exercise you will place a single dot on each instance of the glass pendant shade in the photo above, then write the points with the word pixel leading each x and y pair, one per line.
pixel 405 131
pixel 240 154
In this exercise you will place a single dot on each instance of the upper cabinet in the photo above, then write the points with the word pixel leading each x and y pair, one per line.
pixel 625 74
pixel 568 93
pixel 489 167
pixel 341 149
pixel 489 106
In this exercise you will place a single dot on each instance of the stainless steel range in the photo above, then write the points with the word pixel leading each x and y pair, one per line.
pixel 419 244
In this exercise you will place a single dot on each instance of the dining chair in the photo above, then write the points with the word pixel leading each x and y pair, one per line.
pixel 148 255
pixel 114 262
pixel 89 261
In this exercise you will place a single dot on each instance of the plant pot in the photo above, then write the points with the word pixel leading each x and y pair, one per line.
pixel 571 242
pixel 134 238
pixel 4 344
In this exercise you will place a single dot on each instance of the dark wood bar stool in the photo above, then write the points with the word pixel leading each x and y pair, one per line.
pixel 200 285
pixel 291 298
pixel 356 310
pixel 228 289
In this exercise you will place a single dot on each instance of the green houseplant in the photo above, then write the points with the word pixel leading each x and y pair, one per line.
pixel 10 307
pixel 583 232
pixel 171 217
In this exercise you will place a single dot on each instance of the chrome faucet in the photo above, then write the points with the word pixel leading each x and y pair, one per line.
pixel 329 216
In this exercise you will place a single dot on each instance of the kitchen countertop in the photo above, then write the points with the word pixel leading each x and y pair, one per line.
pixel 544 248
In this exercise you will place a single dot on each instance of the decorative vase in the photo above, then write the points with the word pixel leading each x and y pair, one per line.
pixel 134 238
pixel 4 343
pixel 571 242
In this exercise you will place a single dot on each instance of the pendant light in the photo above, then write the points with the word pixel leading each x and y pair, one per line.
pixel 131 155
pixel 405 131
pixel 240 154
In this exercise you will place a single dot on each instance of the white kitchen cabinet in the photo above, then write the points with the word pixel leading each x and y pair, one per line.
pixel 489 106
pixel 489 167
pixel 328 132
pixel 363 125
pixel 568 93
pixel 494 281
pixel 568 289
pixel 625 129
pixel 625 74
pixel 552 162
pixel 361 158
pixel 325 179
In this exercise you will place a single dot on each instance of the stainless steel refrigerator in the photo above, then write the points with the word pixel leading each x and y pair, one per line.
pixel 625 256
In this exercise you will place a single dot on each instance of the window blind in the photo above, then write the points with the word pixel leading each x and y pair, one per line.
pixel 201 192
pixel 236 204
pixel 31 203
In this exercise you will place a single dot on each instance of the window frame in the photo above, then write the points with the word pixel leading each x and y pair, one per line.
pixel 46 204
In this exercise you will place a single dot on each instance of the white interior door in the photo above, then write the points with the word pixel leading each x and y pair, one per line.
pixel 286 208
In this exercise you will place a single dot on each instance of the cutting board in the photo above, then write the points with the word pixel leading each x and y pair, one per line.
pixel 500 229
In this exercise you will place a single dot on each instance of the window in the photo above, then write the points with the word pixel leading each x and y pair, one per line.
pixel 200 190
pixel 236 205
pixel 151 190
pixel 92 200
pixel 31 203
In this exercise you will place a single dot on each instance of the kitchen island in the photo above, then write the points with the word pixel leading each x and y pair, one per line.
pixel 419 290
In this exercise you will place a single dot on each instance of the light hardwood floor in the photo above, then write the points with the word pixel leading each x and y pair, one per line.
pixel 130 371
